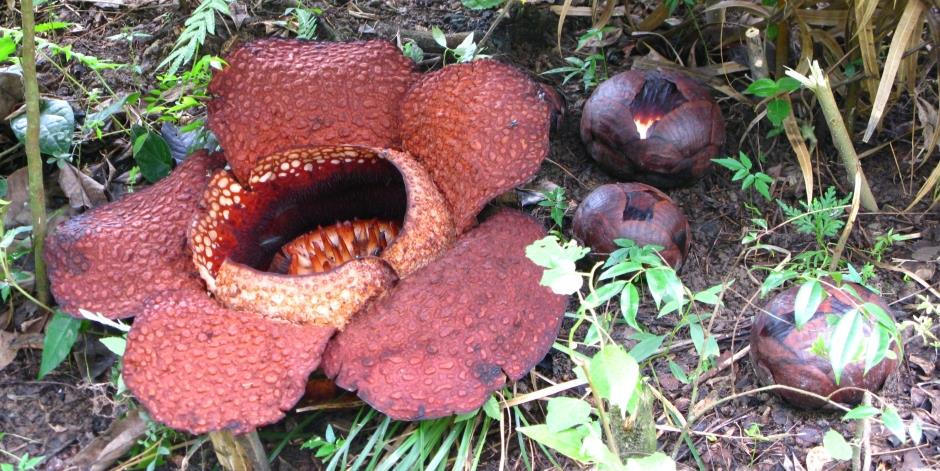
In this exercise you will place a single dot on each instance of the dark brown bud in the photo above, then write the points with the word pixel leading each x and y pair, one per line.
pixel 661 128
pixel 784 355
pixel 633 211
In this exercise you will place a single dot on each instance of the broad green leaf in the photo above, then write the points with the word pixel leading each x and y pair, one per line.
pixel 491 408
pixel 614 373
pixel 893 422
pixel 7 47
pixel 763 88
pixel 861 412
pixel 647 346
pixel 115 344
pixel 657 461
pixel 844 342
pixel 664 285
pixel 678 372
pixel 788 84
pixel 566 412
pixel 916 430
pixel 61 333
pixel 807 302
pixel 710 295
pixel 439 37
pixel 729 163
pixel 629 305
pixel 56 125
pixel 98 118
pixel 777 111
pixel 877 348
pixel 602 294
pixel 836 446
pixel 152 154
pixel 561 274
pixel 567 442
pixel 482 4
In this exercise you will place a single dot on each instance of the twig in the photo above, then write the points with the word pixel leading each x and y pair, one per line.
pixel 756 58
pixel 239 452
pixel 503 12
pixel 37 195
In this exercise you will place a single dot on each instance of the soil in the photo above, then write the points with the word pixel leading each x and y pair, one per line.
pixel 59 415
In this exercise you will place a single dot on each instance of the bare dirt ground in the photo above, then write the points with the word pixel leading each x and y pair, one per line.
pixel 62 413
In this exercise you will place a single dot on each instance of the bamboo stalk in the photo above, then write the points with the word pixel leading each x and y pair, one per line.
pixel 239 452
pixel 37 195
pixel 819 84
pixel 756 57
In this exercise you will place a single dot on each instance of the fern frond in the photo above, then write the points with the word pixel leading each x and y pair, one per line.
pixel 196 29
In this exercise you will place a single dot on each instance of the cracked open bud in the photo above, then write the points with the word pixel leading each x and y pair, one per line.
pixel 661 128
pixel 633 211
pixel 797 357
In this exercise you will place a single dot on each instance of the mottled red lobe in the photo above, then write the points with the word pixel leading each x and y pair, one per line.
pixel 197 366
pixel 281 94
pixel 782 354
pixel 441 342
pixel 113 259
pixel 479 129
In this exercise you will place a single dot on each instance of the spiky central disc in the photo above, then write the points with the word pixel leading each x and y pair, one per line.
pixel 326 248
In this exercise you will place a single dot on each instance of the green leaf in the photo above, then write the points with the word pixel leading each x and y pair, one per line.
pixel 615 374
pixel 861 412
pixel 877 348
pixel 630 305
pixel 567 442
pixel 566 412
pixel 836 446
pixel 152 154
pixel 678 372
pixel 763 88
pixel 56 125
pixel 729 163
pixel 61 334
pixel 648 345
pixel 98 118
pixel 807 302
pixel 439 37
pixel 916 430
pixel 657 461
pixel 777 111
pixel 664 285
pixel 115 344
pixel 788 84
pixel 893 422
pixel 602 294
pixel 481 4
pixel 491 408
pixel 845 341
pixel 561 274
pixel 7 47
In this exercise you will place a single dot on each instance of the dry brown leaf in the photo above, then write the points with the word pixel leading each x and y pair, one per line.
pixel 911 19
pixel 82 190
pixel 18 196
pixel 7 349
pixel 11 89
pixel 817 458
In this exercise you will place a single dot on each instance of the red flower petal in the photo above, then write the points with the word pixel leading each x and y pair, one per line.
pixel 440 342
pixel 479 128
pixel 279 94
pixel 197 366
pixel 112 259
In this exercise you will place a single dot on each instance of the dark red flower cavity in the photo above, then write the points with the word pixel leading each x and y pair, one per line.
pixel 347 199
pixel 782 354
pixel 657 98
pixel 479 129
pixel 660 128
pixel 326 248
pixel 454 331
pixel 637 212
pixel 278 94
pixel 197 366
pixel 113 259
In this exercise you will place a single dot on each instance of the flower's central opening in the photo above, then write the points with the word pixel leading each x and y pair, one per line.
pixel 307 211
pixel 654 101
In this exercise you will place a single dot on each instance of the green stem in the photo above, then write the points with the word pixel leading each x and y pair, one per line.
pixel 37 195
pixel 842 140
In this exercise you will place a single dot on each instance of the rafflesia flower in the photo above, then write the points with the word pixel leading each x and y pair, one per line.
pixel 342 231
